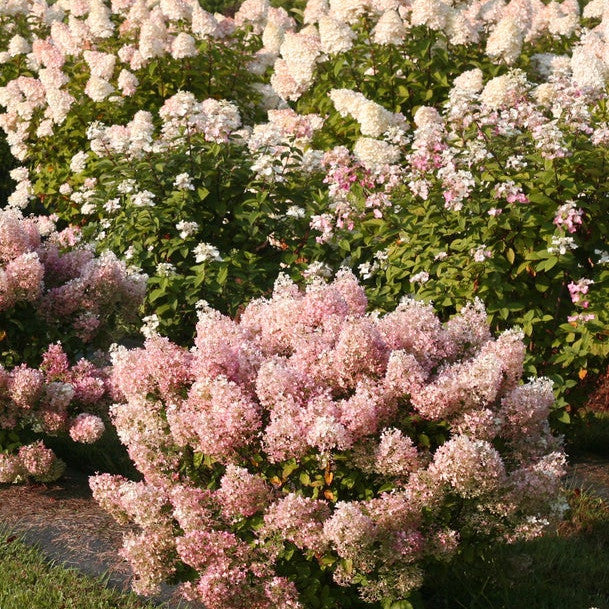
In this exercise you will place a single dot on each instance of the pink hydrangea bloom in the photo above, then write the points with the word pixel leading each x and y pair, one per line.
pixel 86 428
pixel 36 459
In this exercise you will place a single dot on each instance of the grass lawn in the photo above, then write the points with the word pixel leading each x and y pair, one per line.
pixel 27 581
pixel 565 569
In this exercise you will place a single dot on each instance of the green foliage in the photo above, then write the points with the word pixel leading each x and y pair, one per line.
pixel 521 283
pixel 242 218
pixel 218 71
pixel 9 440
pixel 400 78
pixel 105 455
pixel 7 162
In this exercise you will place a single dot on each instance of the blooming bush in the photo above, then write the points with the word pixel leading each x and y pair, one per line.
pixel 498 197
pixel 168 188
pixel 448 151
pixel 463 146
pixel 182 208
pixel 55 398
pixel 310 453
pixel 50 290
pixel 32 461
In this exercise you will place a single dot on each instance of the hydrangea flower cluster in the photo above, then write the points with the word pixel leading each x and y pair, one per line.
pixel 50 289
pixel 112 43
pixel 67 287
pixel 353 112
pixel 32 461
pixel 310 431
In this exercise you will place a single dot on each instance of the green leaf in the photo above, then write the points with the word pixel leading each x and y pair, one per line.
pixel 345 245
pixel 288 468
pixel 546 265
pixel 197 459
pixel 222 275
pixel 403 604
pixel 424 440
pixel 156 294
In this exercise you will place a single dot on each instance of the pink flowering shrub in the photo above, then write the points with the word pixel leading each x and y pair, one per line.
pixel 446 150
pixel 134 122
pixel 489 197
pixel 309 453
pixel 461 153
pixel 32 461
pixel 54 399
pixel 50 289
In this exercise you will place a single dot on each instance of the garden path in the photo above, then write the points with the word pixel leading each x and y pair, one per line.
pixel 590 473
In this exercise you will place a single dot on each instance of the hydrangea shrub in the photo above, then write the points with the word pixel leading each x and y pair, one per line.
pixel 51 289
pixel 310 454
pixel 462 153
pixel 57 398
pixel 179 202
pixel 134 121
pixel 449 151
pixel 498 196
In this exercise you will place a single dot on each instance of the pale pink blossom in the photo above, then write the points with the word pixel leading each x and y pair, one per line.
pixel 86 428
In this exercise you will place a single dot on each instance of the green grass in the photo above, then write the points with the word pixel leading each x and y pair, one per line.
pixel 566 569
pixel 27 581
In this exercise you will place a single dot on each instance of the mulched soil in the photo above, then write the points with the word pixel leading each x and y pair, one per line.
pixel 589 473
pixel 64 521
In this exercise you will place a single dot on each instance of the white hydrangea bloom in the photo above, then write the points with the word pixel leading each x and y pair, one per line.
pixel 373 154
pixel 183 181
pixel 183 45
pixel 505 41
pixel 187 228
pixel 335 36
pixel 150 327
pixel 98 88
pixel 374 120
pixel 390 29
pixel 205 252
pixel 18 45
pixel 79 161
